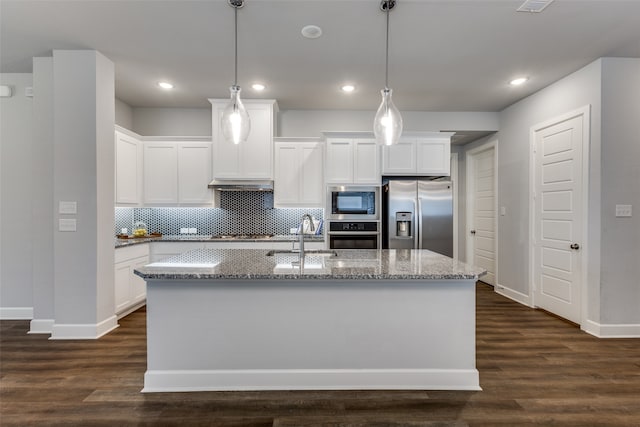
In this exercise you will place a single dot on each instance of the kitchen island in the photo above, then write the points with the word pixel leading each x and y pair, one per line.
pixel 250 319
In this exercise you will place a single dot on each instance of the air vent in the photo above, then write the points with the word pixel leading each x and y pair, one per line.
pixel 534 6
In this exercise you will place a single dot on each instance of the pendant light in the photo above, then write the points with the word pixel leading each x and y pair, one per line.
pixel 235 121
pixel 387 125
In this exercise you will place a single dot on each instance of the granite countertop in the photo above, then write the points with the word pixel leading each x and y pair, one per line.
pixel 243 264
pixel 119 243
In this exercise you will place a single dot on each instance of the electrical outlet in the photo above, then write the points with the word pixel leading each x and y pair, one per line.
pixel 66 224
pixel 184 231
pixel 623 211
pixel 503 210
pixel 193 231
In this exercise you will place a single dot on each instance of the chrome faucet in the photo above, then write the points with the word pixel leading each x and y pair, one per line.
pixel 312 227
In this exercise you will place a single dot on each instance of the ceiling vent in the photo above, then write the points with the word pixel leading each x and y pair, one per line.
pixel 534 6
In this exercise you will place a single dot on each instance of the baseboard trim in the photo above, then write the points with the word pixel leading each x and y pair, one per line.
pixel 310 379
pixel 513 295
pixel 611 331
pixel 88 331
pixel 16 313
pixel 41 326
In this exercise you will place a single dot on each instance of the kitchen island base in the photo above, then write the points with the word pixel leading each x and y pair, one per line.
pixel 206 335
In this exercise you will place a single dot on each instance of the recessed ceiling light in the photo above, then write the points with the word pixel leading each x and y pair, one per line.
pixel 258 86
pixel 311 31
pixel 348 88
pixel 165 85
pixel 518 81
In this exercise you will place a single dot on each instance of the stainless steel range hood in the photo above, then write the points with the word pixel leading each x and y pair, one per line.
pixel 241 185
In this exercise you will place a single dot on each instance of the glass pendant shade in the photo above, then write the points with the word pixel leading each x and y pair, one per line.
pixel 387 125
pixel 235 121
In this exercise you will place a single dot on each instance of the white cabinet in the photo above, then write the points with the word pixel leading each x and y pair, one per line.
pixel 194 173
pixel 252 159
pixel 177 173
pixel 130 289
pixel 419 155
pixel 298 173
pixel 160 173
pixel 128 170
pixel 352 161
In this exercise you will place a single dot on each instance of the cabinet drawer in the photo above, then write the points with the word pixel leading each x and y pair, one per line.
pixel 131 252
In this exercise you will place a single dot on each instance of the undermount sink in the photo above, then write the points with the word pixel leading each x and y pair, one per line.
pixel 311 252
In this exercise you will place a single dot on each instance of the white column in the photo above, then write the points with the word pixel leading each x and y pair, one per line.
pixel 83 105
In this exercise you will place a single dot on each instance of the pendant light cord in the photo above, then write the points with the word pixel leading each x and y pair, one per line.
pixel 235 75
pixel 386 72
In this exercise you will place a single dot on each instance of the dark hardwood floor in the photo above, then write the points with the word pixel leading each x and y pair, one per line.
pixel 535 369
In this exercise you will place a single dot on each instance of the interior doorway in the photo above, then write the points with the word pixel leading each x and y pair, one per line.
pixel 481 224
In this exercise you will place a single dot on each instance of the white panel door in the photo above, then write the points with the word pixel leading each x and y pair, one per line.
pixel 160 173
pixel 399 159
pixel 433 156
pixel 128 164
pixel 558 218
pixel 287 174
pixel 366 166
pixel 194 172
pixel 311 175
pixel 483 202
pixel 339 166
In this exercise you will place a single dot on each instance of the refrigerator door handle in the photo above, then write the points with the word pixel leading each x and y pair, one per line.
pixel 418 224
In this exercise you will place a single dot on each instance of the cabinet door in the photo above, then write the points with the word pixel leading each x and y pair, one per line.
pixel 121 286
pixel 311 179
pixel 128 165
pixel 286 190
pixel 399 158
pixel 434 156
pixel 252 159
pixel 160 173
pixel 257 152
pixel 366 162
pixel 194 172
pixel 339 165
pixel 138 286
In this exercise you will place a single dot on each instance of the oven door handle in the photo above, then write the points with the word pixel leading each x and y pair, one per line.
pixel 353 233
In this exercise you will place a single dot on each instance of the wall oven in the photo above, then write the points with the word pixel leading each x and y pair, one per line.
pixel 353 202
pixel 353 235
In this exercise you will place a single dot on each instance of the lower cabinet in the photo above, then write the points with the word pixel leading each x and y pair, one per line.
pixel 130 290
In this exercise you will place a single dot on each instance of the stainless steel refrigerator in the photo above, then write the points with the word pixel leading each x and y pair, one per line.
pixel 418 214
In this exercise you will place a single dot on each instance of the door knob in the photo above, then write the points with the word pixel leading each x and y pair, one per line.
pixel 575 246
pixel 473 231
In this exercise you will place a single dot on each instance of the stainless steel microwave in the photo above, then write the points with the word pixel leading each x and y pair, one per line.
pixel 353 202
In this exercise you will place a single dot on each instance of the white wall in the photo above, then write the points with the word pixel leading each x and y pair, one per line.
pixel 124 114
pixel 305 123
pixel 572 92
pixel 42 196
pixel 620 268
pixel 16 184
pixel 171 121
pixel 311 123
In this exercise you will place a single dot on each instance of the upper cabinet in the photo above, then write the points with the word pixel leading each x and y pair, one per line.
pixel 177 173
pixel 352 160
pixel 252 159
pixel 299 165
pixel 128 169
pixel 420 154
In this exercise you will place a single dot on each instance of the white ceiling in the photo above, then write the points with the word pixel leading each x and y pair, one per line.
pixel 445 55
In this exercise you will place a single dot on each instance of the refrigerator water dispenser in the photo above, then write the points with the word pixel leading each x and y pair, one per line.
pixel 403 224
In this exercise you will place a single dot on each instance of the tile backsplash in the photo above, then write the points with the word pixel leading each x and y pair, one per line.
pixel 241 213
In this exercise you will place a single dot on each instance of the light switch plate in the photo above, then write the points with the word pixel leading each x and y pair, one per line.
pixel 623 211
pixel 66 224
pixel 68 208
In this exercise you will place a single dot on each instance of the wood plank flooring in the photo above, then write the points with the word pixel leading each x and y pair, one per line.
pixel 534 370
